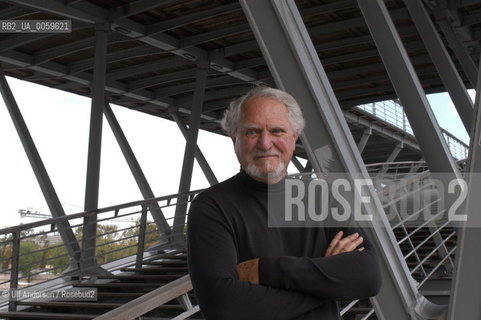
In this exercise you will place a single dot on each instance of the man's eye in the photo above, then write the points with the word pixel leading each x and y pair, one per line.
pixel 251 132
pixel 277 131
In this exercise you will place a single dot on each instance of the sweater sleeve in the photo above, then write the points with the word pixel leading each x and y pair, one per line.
pixel 212 266
pixel 345 276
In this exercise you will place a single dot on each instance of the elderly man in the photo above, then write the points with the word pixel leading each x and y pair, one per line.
pixel 243 269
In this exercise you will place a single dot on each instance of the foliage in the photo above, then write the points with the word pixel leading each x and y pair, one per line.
pixel 111 244
pixel 29 258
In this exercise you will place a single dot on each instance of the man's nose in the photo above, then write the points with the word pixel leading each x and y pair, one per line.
pixel 265 141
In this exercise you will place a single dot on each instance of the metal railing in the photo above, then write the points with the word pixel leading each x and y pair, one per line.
pixel 427 244
pixel 126 236
pixel 392 112
pixel 176 289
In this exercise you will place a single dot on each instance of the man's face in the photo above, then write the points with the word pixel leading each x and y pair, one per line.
pixel 265 139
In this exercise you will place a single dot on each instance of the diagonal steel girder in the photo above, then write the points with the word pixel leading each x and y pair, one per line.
pixel 199 156
pixel 295 66
pixel 465 288
pixel 41 174
pixel 441 59
pixel 177 237
pixel 136 170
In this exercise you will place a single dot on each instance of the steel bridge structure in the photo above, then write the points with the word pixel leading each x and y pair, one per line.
pixel 184 60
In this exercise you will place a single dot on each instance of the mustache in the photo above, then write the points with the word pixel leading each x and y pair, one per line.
pixel 265 154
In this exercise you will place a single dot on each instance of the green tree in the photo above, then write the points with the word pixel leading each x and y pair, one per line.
pixel 30 258
pixel 5 252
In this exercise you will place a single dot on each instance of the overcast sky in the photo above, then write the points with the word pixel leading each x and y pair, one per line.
pixel 59 124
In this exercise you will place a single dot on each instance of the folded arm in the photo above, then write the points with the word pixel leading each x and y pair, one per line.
pixel 348 270
pixel 213 269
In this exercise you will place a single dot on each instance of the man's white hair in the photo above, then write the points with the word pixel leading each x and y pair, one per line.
pixel 232 115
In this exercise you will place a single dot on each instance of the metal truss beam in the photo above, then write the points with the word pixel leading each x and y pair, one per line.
pixel 397 14
pixel 64 10
pixel 14 12
pixel 340 58
pixel 296 68
pixel 199 156
pixel 189 87
pixel 136 170
pixel 93 14
pixel 329 7
pixel 228 8
pixel 455 43
pixel 21 39
pixel 408 88
pixel 467 3
pixel 161 79
pixel 178 238
pixel 23 60
pixel 228 92
pixel 43 179
pixel 441 59
pixel 132 8
pixel 94 150
pixel 471 19
pixel 197 39
pixel 139 51
pixel 465 288
pixel 391 134
pixel 364 139
pixel 173 45
pixel 355 101
pixel 182 20
pixel 394 153
pixel 151 66
pixel 42 56
pixel 378 67
pixel 247 46
pixel 376 90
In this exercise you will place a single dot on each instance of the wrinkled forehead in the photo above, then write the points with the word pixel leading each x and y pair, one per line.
pixel 257 106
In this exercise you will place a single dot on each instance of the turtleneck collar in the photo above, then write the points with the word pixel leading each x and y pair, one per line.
pixel 250 184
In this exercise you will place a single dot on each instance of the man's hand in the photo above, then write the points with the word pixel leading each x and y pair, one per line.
pixel 347 244
pixel 249 271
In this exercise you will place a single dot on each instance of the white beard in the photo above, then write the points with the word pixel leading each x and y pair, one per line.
pixel 270 174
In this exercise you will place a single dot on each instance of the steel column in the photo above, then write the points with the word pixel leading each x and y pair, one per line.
pixel 364 139
pixel 296 67
pixel 14 269
pixel 137 172
pixel 441 59
pixel 297 164
pixel 177 238
pixel 40 172
pixel 94 148
pixel 204 165
pixel 466 287
pixel 408 88
pixel 459 50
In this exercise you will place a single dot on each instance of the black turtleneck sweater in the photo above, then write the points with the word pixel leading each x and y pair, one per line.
pixel 228 225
